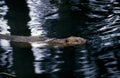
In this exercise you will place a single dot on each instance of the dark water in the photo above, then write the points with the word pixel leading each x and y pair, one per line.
pixel 99 58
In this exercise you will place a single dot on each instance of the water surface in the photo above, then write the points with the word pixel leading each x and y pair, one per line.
pixel 97 59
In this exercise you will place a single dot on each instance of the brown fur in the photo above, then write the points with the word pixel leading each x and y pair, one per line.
pixel 70 41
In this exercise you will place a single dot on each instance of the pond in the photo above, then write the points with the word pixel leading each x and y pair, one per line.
pixel 99 58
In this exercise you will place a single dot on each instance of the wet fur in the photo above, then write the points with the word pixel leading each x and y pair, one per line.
pixel 70 41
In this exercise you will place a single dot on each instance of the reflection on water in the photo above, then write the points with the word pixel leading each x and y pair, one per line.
pixel 47 62
pixel 39 9
pixel 6 59
pixel 44 61
pixel 17 17
pixel 99 58
pixel 85 65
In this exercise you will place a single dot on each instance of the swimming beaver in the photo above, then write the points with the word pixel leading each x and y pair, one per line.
pixel 70 41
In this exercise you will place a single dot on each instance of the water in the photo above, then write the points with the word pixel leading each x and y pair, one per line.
pixel 99 58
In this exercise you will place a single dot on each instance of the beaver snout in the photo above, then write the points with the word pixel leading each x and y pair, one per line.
pixel 74 40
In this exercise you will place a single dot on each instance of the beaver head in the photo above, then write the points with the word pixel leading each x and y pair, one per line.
pixel 74 40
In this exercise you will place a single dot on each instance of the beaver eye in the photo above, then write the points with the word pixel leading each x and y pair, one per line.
pixel 76 40
pixel 66 41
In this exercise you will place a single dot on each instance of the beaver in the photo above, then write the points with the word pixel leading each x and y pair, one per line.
pixel 69 41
